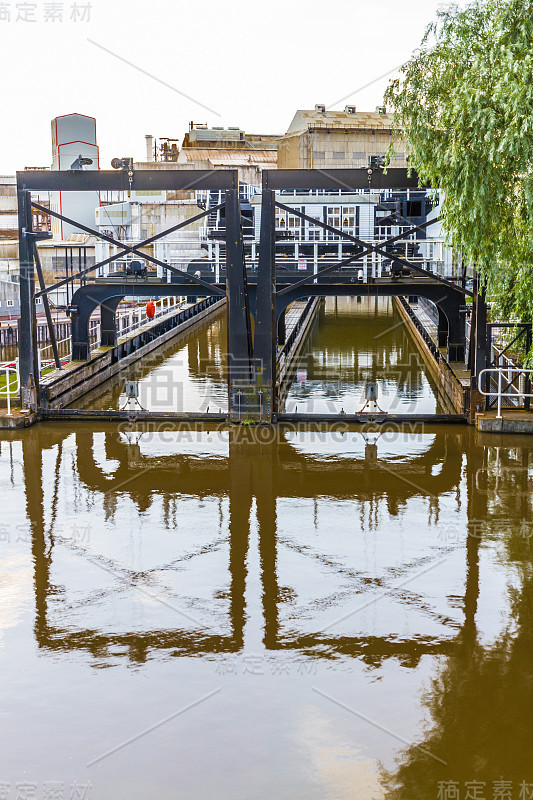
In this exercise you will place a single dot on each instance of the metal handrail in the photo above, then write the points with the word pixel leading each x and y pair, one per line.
pixel 8 367
pixel 171 305
pixel 500 371
pixel 161 310
pixel 47 363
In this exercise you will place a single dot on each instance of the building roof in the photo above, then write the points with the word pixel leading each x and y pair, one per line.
pixel 304 119
pixel 234 158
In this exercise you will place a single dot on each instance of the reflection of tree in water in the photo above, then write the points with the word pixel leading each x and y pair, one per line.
pixel 481 704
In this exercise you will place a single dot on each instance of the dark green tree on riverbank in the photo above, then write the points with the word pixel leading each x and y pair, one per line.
pixel 464 106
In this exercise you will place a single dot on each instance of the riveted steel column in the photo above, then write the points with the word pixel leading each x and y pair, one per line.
pixel 239 356
pixel 265 323
pixel 29 377
pixel 481 361
pixel 456 327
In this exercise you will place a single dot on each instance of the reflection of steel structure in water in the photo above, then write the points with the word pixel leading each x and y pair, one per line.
pixel 281 472
pixel 386 354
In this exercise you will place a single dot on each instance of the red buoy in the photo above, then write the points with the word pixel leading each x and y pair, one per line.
pixel 150 310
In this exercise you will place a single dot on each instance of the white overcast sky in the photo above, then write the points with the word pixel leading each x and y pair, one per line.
pixel 253 64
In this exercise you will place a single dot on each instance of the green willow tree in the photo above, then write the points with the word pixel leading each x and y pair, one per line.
pixel 463 106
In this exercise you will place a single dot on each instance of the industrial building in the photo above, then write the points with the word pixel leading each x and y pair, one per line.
pixel 323 139
pixel 9 272
pixel 319 139
pixel 215 148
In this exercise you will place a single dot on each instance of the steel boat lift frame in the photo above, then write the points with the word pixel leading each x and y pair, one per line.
pixel 275 292
pixel 264 296
pixel 239 331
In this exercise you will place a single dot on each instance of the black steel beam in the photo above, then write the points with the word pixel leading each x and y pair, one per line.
pixel 112 240
pixel 480 333
pixel 379 249
pixel 348 179
pixel 239 356
pixel 524 325
pixel 79 275
pixel 117 180
pixel 348 236
pixel 27 323
pixel 432 291
pixel 137 415
pixel 373 419
pixel 108 322
pixel 346 261
pixel 265 319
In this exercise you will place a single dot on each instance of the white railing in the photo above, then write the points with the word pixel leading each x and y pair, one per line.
pixel 163 306
pixel 10 390
pixel 503 391
pixel 136 318
pixel 49 363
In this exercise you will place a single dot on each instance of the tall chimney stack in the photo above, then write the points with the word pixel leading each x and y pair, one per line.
pixel 149 147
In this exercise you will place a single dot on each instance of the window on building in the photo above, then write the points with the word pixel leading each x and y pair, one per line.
pixel 340 154
pixel 318 154
pixel 349 219
pixel 10 303
pixel 334 217
pixel 413 208
pixel 313 232
pixel 360 154
pixel 288 222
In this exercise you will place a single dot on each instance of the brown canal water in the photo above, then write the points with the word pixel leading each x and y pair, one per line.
pixel 352 341
pixel 339 615
pixel 188 376
pixel 356 341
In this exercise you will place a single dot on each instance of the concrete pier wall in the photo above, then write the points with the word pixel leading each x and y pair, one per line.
pixel 452 393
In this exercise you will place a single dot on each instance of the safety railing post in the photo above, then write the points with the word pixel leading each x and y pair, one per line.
pixel 8 392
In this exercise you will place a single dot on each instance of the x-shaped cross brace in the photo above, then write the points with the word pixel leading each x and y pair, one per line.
pixel 368 249
pixel 130 249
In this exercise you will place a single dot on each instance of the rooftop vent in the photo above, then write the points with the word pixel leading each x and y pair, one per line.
pixel 349 109
pixel 320 108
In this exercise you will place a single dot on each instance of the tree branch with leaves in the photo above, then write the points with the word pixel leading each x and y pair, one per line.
pixel 463 105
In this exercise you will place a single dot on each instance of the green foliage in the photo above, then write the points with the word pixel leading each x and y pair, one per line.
pixel 464 107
